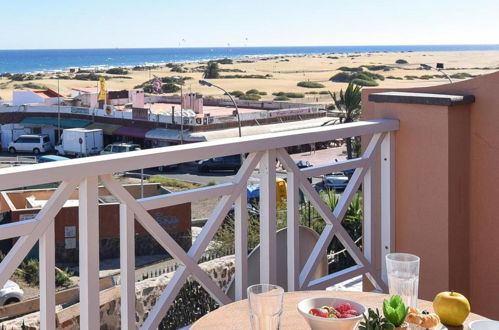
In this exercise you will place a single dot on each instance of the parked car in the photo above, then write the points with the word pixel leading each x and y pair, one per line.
pixel 119 147
pixel 11 293
pixel 227 163
pixel 303 164
pixel 335 181
pixel 31 143
pixel 51 158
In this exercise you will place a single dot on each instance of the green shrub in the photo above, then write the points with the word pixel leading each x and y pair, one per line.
pixel 178 68
pixel 323 93
pixel 310 84
pixel 281 98
pixel 62 277
pixel 461 75
pixel 117 71
pixel 295 95
pixel 247 76
pixel 212 70
pixel 341 77
pixel 426 77
pixel 312 93
pixel 262 93
pixel 363 82
pixel 29 271
pixel 252 91
pixel 237 93
pixel 173 182
pixel 378 67
pixel 411 77
pixel 21 77
pixel 88 76
pixel 393 77
pixel 169 88
pixel 250 97
pixel 29 85
pixel 401 61
pixel 224 61
pixel 348 69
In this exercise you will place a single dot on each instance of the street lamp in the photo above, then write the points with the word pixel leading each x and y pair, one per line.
pixel 58 111
pixel 209 84
pixel 438 68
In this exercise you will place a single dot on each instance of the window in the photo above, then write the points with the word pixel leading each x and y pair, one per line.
pixel 108 148
pixel 33 140
pixel 46 139
pixel 119 149
pixel 21 140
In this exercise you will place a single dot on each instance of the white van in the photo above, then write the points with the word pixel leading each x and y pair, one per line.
pixel 31 143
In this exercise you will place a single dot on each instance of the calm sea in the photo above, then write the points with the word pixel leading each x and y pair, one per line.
pixel 16 61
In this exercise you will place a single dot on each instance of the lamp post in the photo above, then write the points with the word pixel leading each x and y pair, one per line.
pixel 209 84
pixel 58 112
pixel 429 67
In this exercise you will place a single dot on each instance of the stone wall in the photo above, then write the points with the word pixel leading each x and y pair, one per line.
pixel 147 292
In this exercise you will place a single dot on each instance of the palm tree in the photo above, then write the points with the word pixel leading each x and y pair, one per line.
pixel 349 103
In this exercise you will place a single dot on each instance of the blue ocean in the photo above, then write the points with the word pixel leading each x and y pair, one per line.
pixel 16 61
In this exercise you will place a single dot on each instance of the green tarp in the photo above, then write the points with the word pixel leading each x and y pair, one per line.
pixel 50 121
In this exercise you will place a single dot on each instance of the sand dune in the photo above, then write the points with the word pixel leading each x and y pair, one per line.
pixel 289 70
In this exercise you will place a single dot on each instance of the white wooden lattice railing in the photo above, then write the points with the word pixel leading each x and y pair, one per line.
pixel 84 174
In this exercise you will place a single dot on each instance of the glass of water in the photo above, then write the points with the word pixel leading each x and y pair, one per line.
pixel 265 306
pixel 403 277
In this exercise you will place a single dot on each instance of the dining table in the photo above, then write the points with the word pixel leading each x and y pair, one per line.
pixel 236 316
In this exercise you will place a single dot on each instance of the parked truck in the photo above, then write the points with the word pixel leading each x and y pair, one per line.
pixel 80 142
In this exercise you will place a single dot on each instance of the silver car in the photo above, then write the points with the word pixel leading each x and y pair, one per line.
pixel 335 181
pixel 11 293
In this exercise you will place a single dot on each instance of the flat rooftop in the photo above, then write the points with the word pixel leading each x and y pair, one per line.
pixel 212 110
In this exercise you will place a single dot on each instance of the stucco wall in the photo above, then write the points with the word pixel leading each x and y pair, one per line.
pixel 447 189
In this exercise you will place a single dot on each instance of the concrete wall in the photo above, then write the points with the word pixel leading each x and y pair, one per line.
pixel 26 97
pixel 147 293
pixel 447 189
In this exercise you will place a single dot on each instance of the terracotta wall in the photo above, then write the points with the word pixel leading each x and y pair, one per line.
pixel 447 189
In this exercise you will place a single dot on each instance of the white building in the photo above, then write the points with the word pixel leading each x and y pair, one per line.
pixel 44 97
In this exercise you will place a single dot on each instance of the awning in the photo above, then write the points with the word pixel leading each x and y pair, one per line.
pixel 49 121
pixel 108 129
pixel 166 134
pixel 136 132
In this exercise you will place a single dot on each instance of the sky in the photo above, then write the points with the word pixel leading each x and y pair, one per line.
pixel 35 24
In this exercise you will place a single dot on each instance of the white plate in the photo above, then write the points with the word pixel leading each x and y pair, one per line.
pixel 484 325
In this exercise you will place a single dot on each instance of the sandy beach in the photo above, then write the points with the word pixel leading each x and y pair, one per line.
pixel 287 71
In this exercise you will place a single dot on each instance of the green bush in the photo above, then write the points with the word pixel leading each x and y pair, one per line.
pixel 29 85
pixel 21 77
pixel 393 77
pixel 461 75
pixel 262 93
pixel 378 67
pixel 88 76
pixel 247 76
pixel 323 93
pixel 341 77
pixel 117 71
pixel 363 82
pixel 250 97
pixel 169 88
pixel 426 77
pixel 368 77
pixel 224 61
pixel 281 98
pixel 62 277
pixel 310 84
pixel 237 93
pixel 312 93
pixel 295 95
pixel 401 61
pixel 178 68
pixel 211 71
pixel 348 69
pixel 411 77
pixel 252 91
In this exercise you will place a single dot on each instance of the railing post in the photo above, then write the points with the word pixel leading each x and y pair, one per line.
pixel 47 278
pixel 241 245
pixel 127 267
pixel 89 254
pixel 268 221
pixel 293 232
pixel 387 199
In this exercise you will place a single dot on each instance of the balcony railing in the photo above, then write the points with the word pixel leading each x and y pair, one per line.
pixel 262 150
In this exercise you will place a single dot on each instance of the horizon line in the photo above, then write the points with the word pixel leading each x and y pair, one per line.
pixel 276 46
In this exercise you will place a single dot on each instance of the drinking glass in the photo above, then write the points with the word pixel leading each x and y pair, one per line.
pixel 403 277
pixel 265 306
